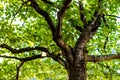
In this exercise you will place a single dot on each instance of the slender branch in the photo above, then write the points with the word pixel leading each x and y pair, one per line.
pixel 44 14
pixel 82 16
pixel 33 57
pixel 61 12
pixel 58 37
pixel 11 57
pixel 15 51
pixel 55 57
pixel 105 21
pixel 20 8
pixel 96 19
pixel 108 67
pixel 113 16
pixel 47 2
pixel 97 58
pixel 26 58
pixel 105 43
pixel 18 69
pixel 66 4
pixel 59 59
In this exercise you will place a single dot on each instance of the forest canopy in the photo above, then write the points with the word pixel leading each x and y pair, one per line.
pixel 41 39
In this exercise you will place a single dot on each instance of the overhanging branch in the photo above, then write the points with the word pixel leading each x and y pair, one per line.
pixel 17 51
pixel 25 58
pixel 44 14
pixel 48 54
pixel 97 58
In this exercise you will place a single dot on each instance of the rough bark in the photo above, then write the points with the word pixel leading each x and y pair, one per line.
pixel 76 72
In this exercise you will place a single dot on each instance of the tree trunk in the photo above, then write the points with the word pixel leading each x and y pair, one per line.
pixel 77 71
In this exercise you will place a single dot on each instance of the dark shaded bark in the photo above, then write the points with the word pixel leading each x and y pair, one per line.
pixel 77 72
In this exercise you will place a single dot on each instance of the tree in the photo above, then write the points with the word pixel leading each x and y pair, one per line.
pixel 74 33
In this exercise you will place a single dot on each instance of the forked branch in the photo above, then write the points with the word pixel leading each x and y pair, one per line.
pixel 91 28
pixel 48 54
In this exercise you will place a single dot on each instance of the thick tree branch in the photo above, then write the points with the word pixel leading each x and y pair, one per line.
pixel 97 58
pixel 66 49
pixel 91 28
pixel 44 14
pixel 56 38
pixel 86 35
pixel 16 51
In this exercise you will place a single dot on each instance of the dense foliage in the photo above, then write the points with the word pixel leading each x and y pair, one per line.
pixel 21 26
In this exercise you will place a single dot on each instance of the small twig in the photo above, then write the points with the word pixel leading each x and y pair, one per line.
pixel 113 15
pixel 105 21
pixel 18 11
pixel 11 57
pixel 107 66
pixel 105 43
